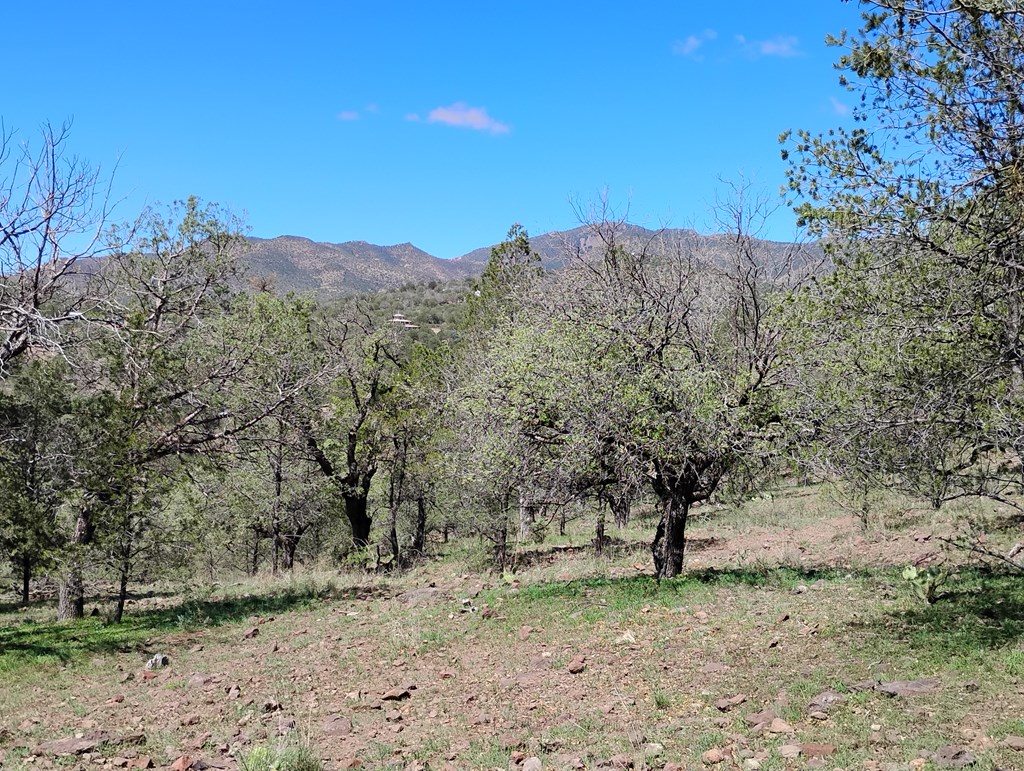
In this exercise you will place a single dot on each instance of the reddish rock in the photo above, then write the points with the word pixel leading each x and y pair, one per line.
pixel 577 664
pixel 713 756
pixel 817 750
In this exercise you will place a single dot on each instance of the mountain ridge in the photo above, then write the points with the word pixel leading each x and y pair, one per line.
pixel 293 263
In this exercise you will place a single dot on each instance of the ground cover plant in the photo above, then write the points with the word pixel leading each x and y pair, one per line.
pixel 775 650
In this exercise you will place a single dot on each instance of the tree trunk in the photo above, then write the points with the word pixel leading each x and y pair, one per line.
pixel 359 519
pixel 26 578
pixel 255 564
pixel 599 531
pixel 620 506
pixel 527 518
pixel 419 533
pixel 290 545
pixel 670 540
pixel 122 591
pixel 71 593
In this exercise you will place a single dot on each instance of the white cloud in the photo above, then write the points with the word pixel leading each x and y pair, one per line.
pixel 462 115
pixel 780 45
pixel 690 45
pixel 840 108
pixel 348 115
pixel 413 117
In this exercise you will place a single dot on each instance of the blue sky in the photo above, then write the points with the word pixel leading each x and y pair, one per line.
pixel 437 123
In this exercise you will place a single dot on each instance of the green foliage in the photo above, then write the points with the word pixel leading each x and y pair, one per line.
pixel 926 582
pixel 286 756
pixel 912 345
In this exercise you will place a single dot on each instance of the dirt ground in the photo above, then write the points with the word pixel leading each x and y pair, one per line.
pixel 565 665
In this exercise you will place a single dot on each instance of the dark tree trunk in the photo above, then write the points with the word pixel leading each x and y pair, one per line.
pixel 599 531
pixel 670 539
pixel 561 521
pixel 620 506
pixel 71 593
pixel 419 533
pixel 255 564
pixel 122 591
pixel 26 578
pixel 357 511
pixel 289 546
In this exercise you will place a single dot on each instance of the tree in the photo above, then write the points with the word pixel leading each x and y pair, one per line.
pixel 639 365
pixel 343 433
pixel 54 209
pixel 166 361
pixel 921 326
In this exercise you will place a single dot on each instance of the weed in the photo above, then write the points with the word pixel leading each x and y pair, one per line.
pixel 292 756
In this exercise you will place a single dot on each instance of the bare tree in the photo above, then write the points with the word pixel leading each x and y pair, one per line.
pixel 54 208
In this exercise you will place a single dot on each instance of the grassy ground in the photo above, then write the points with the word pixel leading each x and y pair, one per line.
pixel 784 600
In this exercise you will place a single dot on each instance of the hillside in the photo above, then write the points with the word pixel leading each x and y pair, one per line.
pixel 332 270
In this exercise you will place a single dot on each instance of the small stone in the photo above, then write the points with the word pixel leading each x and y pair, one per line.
pixel 713 756
pixel 800 589
pixel 337 726
pixel 751 764
pixel 765 717
pixel 819 715
pixel 524 632
pixel 789 750
pixel 909 687
pixel 724 705
pixel 396 694
pixel 350 762
pixel 953 757
pixel 780 726
pixel 654 750
pixel 823 701
pixel 577 664
pixel 158 661
pixel 250 633
pixel 1015 743
pixel 181 763
pixel 620 761
pixel 532 764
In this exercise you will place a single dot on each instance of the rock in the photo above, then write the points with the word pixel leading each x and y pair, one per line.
pixel 396 694
pixel 620 761
pixel 765 717
pixel 724 705
pixel 953 757
pixel 800 589
pixel 863 685
pixel 524 632
pixel 714 756
pixel 908 687
pixel 250 633
pixel 780 726
pixel 532 764
pixel 285 726
pixel 626 638
pixel 751 764
pixel 158 661
pixel 70 746
pixel 818 715
pixel 270 706
pixel 653 750
pixel 1015 743
pixel 823 701
pixel 577 664
pixel 789 750
pixel 817 750
pixel 182 763
pixel 142 761
pixel 350 762
pixel 234 692
pixel 190 719
pixel 337 726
